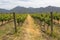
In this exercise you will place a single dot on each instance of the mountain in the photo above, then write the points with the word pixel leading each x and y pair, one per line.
pixel 19 9
pixel 52 8
pixel 4 10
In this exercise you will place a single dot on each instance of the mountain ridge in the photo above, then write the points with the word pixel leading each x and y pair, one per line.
pixel 19 9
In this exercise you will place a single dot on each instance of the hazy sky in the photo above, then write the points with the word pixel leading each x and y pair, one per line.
pixel 9 4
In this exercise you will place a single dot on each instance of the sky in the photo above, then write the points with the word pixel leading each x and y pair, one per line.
pixel 9 4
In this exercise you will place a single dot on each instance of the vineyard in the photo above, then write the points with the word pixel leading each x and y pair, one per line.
pixel 49 23
pixel 30 26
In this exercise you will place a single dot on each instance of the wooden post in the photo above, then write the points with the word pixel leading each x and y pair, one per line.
pixel 2 19
pixel 51 23
pixel 14 17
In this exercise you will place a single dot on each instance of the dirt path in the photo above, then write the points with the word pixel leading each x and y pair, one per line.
pixel 29 30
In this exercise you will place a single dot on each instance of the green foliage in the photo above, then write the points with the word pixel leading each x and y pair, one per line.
pixel 5 17
pixel 56 16
pixel 20 18
pixel 46 17
pixel 43 17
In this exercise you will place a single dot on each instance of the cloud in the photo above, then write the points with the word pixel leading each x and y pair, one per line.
pixel 9 4
pixel 24 0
